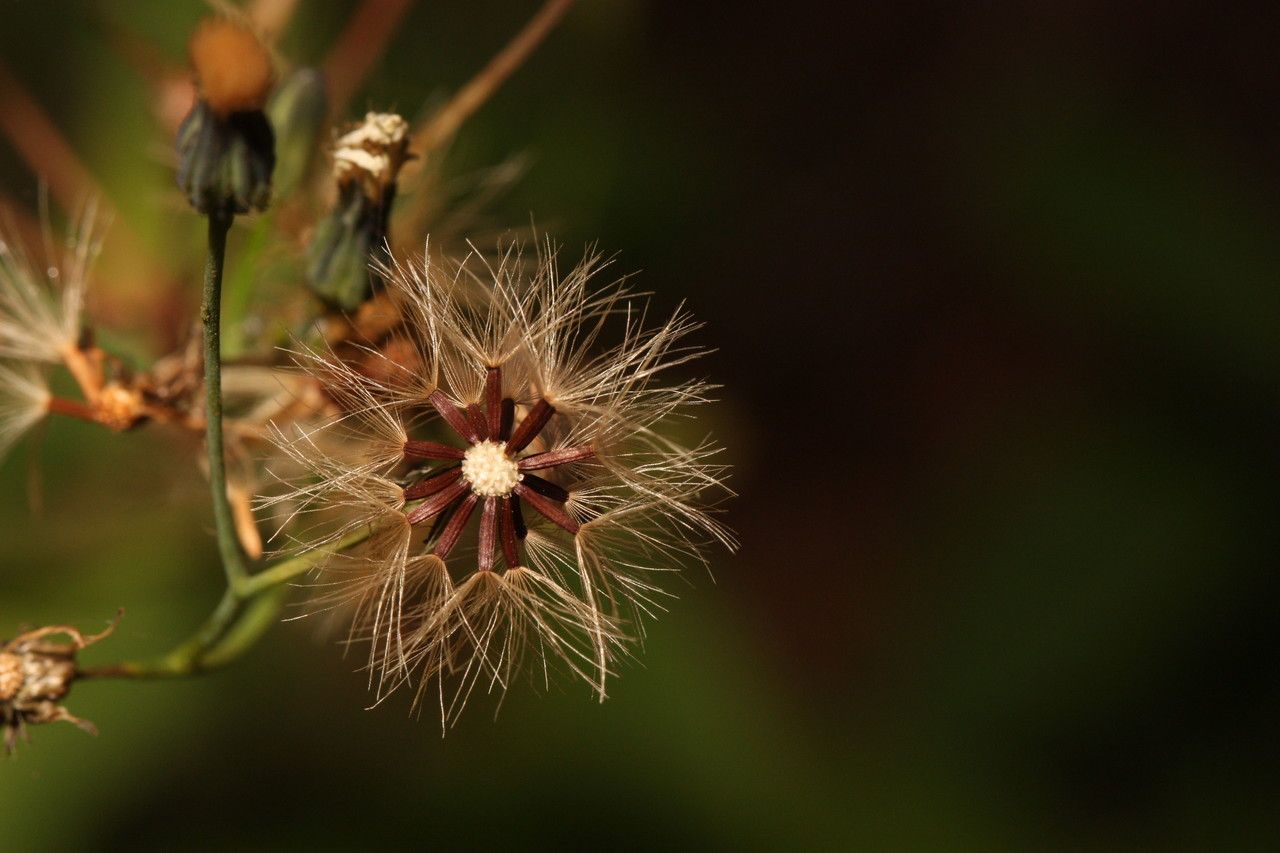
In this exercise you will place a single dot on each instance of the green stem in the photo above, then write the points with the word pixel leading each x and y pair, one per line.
pixel 210 314
pixel 241 619
pixel 287 570
pixel 250 605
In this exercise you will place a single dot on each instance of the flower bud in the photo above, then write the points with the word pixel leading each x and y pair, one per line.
pixel 296 112
pixel 226 148
pixel 366 163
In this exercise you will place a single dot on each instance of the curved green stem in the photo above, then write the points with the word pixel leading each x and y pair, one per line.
pixel 211 316
pixel 287 570
pixel 250 604
pixel 241 618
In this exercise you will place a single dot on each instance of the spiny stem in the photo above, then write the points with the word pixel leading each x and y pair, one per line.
pixel 211 314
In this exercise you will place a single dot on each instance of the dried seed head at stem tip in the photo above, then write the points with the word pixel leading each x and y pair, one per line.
pixel 36 674
pixel 348 243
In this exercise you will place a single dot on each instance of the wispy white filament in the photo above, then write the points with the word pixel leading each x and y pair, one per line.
pixel 24 400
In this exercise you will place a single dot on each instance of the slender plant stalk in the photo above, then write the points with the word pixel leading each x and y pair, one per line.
pixel 363 40
pixel 48 154
pixel 286 570
pixel 249 604
pixel 237 623
pixel 470 97
pixel 438 129
pixel 271 17
pixel 211 315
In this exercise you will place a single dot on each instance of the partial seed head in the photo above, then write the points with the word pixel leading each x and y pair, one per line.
pixel 24 400
pixel 348 245
pixel 486 467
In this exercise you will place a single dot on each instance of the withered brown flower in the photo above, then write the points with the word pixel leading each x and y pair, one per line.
pixel 36 675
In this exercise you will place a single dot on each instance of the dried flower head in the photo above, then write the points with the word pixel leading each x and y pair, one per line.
pixel 36 675
pixel 562 456
pixel 372 152
pixel 42 325
pixel 349 242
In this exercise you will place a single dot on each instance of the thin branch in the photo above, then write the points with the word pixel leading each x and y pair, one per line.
pixel 71 409
pixel 414 449
pixel 548 508
pixel 507 532
pixel 437 130
pixel 488 534
pixel 552 458
pixel 437 503
pixel 271 17
pixel 41 145
pixel 493 401
pixel 361 44
pixel 453 416
pixel 211 314
pixel 532 424
pixel 287 570
pixel 453 530
pixel 432 484
pixel 240 619
pixel 51 158
pixel 445 123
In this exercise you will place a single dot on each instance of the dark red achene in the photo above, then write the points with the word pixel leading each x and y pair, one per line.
pixel 501 518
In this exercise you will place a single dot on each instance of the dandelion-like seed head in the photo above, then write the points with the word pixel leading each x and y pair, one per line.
pixel 523 490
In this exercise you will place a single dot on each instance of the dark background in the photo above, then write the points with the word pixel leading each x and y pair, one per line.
pixel 994 292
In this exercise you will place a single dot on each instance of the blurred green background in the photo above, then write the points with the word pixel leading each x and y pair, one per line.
pixel 994 291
